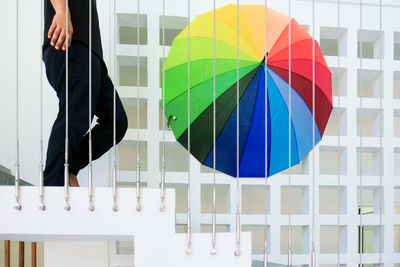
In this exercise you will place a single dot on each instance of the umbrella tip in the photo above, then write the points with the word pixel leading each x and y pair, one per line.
pixel 263 61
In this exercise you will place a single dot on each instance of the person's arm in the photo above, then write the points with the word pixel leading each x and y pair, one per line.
pixel 58 28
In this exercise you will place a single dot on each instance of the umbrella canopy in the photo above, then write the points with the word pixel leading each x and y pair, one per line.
pixel 249 60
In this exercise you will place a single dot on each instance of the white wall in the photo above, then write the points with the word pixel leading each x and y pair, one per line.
pixel 84 254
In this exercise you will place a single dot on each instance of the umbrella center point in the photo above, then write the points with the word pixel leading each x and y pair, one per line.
pixel 263 60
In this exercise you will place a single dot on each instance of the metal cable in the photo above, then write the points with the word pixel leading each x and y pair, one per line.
pixel 114 170
pixel 361 137
pixel 17 205
pixel 162 184
pixel 41 177
pixel 66 165
pixel 189 218
pixel 138 197
pixel 313 256
pixel 380 137
pixel 289 129
pixel 339 145
pixel 214 214
pixel 237 250
pixel 266 139
pixel 90 171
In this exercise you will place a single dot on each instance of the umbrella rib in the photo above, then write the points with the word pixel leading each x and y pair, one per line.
pixel 211 78
pixel 254 49
pixel 175 108
pixel 291 119
pixel 280 35
pixel 231 88
pixel 246 139
pixel 208 59
pixel 218 133
pixel 254 34
pixel 321 127
pixel 322 61
pixel 243 39
pixel 200 38
pixel 314 121
pixel 319 87
pixel 293 44
pixel 252 115
pixel 273 63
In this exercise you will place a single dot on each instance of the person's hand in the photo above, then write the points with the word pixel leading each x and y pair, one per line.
pixel 58 29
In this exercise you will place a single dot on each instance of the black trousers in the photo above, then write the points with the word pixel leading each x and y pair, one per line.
pixel 78 111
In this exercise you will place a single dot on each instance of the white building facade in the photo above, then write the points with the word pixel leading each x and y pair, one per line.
pixel 356 166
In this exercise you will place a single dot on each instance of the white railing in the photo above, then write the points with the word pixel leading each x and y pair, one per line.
pixel 152 231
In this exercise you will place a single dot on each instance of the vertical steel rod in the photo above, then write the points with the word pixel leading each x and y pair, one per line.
pixel 90 171
pixel 214 201
pixel 289 129
pixel 189 217
pixel 339 145
pixel 313 256
pixel 138 191
pixel 162 184
pixel 380 136
pixel 41 177
pixel 66 166
pixel 237 250
pixel 114 169
pixel 361 136
pixel 17 205
pixel 266 137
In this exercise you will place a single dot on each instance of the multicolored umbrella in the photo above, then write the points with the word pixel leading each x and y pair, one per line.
pixel 252 69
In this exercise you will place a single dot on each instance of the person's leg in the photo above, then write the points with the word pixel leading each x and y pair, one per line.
pixel 73 180
pixel 102 133
pixel 78 106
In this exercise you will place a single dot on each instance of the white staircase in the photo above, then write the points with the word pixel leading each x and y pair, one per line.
pixel 79 237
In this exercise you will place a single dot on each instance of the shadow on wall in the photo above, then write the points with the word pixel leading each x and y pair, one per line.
pixel 6 178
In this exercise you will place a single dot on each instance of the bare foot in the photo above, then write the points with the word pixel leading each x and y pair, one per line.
pixel 73 181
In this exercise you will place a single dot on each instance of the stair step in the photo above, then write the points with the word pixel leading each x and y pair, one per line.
pixel 153 232
pixel 79 223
